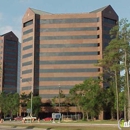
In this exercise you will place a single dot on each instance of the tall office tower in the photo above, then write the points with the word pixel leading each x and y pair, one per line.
pixel 61 50
pixel 8 62
pixel 19 69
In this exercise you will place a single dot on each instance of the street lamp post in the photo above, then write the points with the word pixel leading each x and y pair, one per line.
pixel 31 101
pixel 59 99
pixel 59 105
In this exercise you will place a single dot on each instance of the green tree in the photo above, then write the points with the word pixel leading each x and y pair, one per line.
pixel 124 33
pixel 88 97
pixel 116 57
pixel 13 103
pixel 109 100
pixel 58 100
pixel 36 105
pixel 9 103
pixel 3 103
pixel 111 62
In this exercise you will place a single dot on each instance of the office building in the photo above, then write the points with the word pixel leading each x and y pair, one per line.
pixel 61 50
pixel 19 69
pixel 8 62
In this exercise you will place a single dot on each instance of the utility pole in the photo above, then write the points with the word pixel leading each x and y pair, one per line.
pixel 31 101
pixel 59 99
pixel 59 105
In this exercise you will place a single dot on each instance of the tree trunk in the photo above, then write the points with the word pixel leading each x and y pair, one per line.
pixel 125 117
pixel 83 115
pixel 117 96
pixel 127 82
pixel 87 116
pixel 112 115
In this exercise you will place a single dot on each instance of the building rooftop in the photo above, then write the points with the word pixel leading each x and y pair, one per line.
pixel 5 34
pixel 39 11
pixel 99 10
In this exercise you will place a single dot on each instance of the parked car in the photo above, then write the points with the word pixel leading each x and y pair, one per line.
pixel 18 118
pixel 48 119
pixel 8 118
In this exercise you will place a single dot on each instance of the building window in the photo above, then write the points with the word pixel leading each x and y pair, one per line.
pixel 27 71
pixel 69 45
pixel 27 63
pixel 26 79
pixel 68 53
pixel 11 42
pixel 1 41
pixel 27 31
pixel 27 39
pixel 64 78
pixel 69 37
pixel 26 88
pixel 109 21
pixel 28 23
pixel 27 47
pixel 69 70
pixel 54 87
pixel 69 20
pixel 70 62
pixel 68 29
pixel 27 55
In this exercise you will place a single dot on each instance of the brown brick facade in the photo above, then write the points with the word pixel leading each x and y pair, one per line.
pixel 61 49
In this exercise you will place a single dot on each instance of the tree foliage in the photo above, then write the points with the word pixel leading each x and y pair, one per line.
pixel 85 96
pixel 9 103
pixel 36 104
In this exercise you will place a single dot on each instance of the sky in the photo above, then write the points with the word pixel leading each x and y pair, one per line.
pixel 12 11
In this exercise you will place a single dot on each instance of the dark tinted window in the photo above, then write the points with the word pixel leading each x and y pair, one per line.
pixel 11 42
pixel 27 39
pixel 10 58
pixel 28 31
pixel 26 88
pixel 28 23
pixel 68 29
pixel 63 78
pixel 69 20
pixel 26 79
pixel 67 53
pixel 9 69
pixel 69 37
pixel 68 45
pixel 68 70
pixel 9 63
pixel 27 71
pixel 27 47
pixel 48 95
pixel 70 62
pixel 109 21
pixel 27 55
pixel 1 41
pixel 27 63
pixel 54 87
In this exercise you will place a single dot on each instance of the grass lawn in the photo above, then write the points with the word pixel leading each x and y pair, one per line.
pixel 48 127
pixel 79 125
